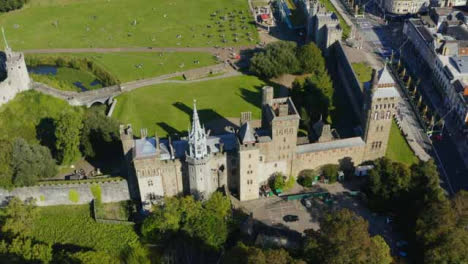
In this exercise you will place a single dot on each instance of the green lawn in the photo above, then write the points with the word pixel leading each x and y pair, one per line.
pixel 398 149
pixel 69 79
pixel 167 108
pixel 123 23
pixel 19 117
pixel 130 66
pixel 363 72
pixel 330 7
pixel 74 225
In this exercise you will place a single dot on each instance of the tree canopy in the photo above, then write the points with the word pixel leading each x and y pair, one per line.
pixel 242 254
pixel 207 222
pixel 29 163
pixel 436 225
pixel 343 238
pixel 67 133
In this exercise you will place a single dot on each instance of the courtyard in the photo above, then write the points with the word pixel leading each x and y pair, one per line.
pixel 271 211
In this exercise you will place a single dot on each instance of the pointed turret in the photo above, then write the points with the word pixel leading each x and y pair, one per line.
pixel 197 136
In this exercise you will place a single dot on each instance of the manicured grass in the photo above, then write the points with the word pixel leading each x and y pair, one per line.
pixel 330 7
pixel 123 23
pixel 73 225
pixel 363 72
pixel 167 108
pixel 69 79
pixel 398 149
pixel 130 66
pixel 29 110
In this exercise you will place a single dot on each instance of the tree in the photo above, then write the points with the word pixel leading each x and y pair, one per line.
pixel 67 132
pixel 379 251
pixel 330 172
pixel 343 238
pixel 30 163
pixel 311 59
pixel 306 178
pixel 277 182
pixel 460 205
pixel 242 254
pixel 207 222
pixel 99 136
pixel 6 174
pixel 19 217
pixel 276 59
pixel 24 250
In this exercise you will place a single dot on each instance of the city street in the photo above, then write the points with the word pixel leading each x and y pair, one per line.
pixel 380 39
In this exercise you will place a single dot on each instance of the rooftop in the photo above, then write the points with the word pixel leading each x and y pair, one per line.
pixel 336 144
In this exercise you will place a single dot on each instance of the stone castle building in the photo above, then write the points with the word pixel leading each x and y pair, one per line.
pixel 17 77
pixel 323 26
pixel 246 159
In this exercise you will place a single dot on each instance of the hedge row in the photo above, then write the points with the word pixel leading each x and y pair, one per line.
pixel 83 64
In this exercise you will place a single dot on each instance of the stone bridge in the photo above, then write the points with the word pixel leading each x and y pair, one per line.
pixel 87 98
pixel 107 94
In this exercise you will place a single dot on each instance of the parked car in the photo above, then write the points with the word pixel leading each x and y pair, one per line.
pixel 291 218
pixel 307 203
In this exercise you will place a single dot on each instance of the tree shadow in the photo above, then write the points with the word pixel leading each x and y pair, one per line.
pixel 45 133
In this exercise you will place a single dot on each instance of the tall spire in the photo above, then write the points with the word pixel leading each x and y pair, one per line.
pixel 4 39
pixel 197 136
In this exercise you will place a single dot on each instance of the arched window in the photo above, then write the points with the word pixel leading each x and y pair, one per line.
pixel 388 115
pixel 376 115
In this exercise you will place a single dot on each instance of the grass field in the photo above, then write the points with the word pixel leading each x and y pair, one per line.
pixel 398 149
pixel 69 79
pixel 73 225
pixel 167 108
pixel 130 66
pixel 123 23
pixel 113 211
pixel 363 72
pixel 21 116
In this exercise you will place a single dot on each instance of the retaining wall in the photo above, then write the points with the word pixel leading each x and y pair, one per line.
pixel 59 194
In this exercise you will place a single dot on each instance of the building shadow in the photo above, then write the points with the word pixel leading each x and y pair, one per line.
pixel 170 130
pixel 211 119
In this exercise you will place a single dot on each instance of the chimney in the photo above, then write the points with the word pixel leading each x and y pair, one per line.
pixel 445 51
pixel 283 109
pixel 157 141
pixel 143 132
pixel 245 117
pixel 221 147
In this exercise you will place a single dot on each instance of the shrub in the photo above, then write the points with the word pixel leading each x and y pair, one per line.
pixel 306 178
pixel 277 182
pixel 330 172
pixel 289 183
pixel 96 191
pixel 73 196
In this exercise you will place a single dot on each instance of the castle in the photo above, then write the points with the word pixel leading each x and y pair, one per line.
pixel 17 77
pixel 322 26
pixel 245 159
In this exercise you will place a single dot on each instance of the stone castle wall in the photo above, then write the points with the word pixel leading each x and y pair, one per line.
pixel 17 79
pixel 344 156
pixel 59 194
